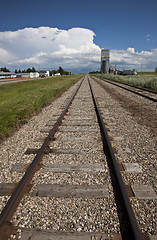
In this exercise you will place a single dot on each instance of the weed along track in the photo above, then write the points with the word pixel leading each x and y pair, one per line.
pixel 71 183
pixel 146 93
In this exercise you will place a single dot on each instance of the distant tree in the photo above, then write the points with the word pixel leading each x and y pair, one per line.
pixel 156 69
pixel 30 70
pixel 61 71
pixel 25 71
pixel 53 72
pixel 33 69
pixel 4 69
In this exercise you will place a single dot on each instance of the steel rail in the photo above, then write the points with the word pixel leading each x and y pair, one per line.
pixel 129 229
pixel 140 88
pixel 24 186
pixel 132 91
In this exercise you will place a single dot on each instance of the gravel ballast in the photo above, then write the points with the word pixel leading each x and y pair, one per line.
pixel 136 144
pixel 132 142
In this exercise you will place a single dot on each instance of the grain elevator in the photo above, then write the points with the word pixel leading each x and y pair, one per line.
pixel 105 59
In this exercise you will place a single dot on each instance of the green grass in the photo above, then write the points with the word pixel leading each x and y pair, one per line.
pixel 19 101
pixel 148 73
pixel 144 80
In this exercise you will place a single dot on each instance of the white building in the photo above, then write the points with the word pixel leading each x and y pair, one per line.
pixel 44 73
pixel 57 74
pixel 34 74
pixel 7 74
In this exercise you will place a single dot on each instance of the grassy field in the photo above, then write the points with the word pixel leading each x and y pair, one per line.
pixel 148 73
pixel 145 80
pixel 19 101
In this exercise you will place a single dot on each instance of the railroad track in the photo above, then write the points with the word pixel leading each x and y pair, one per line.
pixel 71 190
pixel 146 93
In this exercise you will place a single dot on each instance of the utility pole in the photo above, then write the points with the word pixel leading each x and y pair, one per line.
pixel 141 67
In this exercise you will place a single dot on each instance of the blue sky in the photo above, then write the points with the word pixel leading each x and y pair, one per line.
pixel 127 28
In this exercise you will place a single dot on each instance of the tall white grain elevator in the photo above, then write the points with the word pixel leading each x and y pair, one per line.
pixel 105 60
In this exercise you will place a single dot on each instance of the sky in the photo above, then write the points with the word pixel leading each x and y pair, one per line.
pixel 68 33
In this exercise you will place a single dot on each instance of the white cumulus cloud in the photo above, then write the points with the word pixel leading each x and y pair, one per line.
pixel 49 48
pixel 130 58
pixel 131 50
pixel 73 49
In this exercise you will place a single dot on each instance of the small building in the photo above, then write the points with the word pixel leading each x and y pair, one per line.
pixel 130 72
pixel 7 74
pixel 34 74
pixel 44 73
pixel 25 75
pixel 112 69
pixel 57 74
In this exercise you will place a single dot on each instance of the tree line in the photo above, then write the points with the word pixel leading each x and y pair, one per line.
pixel 25 71
pixel 52 72
pixel 60 70
pixel 4 69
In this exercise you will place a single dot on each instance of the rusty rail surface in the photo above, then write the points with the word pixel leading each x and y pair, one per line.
pixel 128 224
pixel 24 186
